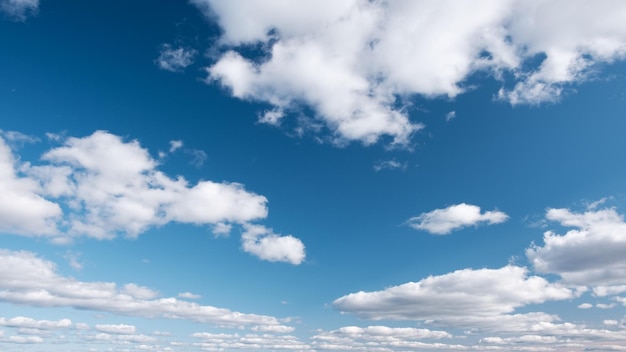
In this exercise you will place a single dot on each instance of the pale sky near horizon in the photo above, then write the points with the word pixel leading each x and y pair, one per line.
pixel 345 175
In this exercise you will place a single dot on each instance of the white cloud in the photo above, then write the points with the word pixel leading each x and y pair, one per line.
pixel 259 342
pixel 108 187
pixel 454 217
pixel 272 117
pixel 265 244
pixel 374 338
pixel 273 328
pixel 117 328
pixel 125 338
pixel 175 60
pixel 175 145
pixel 22 210
pixel 602 291
pixel 198 157
pixel 189 295
pixel 24 339
pixel 451 115
pixel 25 322
pixel 585 305
pixel 591 254
pixel 354 61
pixel 26 279
pixel 389 165
pixel 465 298
pixel 19 9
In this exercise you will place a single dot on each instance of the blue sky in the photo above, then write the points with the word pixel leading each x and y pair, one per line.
pixel 312 176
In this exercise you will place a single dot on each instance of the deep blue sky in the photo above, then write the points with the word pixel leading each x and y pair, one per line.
pixel 363 211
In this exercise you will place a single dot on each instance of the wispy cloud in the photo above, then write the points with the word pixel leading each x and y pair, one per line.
pixel 175 60
pixel 19 10
pixel 389 165
pixel 27 279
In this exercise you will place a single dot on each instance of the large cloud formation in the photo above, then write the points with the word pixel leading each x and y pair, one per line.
pixel 354 61
pixel 101 186
pixel 483 298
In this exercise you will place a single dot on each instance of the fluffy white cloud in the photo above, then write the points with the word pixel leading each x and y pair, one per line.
pixel 115 188
pixel 175 60
pixel 466 298
pixel 109 186
pixel 22 209
pixel 19 9
pixel 354 61
pixel 29 280
pixel 263 243
pixel 591 254
pixel 444 221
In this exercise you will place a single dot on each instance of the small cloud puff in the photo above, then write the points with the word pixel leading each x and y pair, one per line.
pixel 454 217
pixel 265 244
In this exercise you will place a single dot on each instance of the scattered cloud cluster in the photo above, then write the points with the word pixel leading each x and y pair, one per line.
pixel 101 186
pixel 353 62
pixel 490 300
pixel 443 221
pixel 175 60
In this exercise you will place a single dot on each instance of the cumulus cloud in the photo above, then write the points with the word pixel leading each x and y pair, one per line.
pixel 22 210
pixel 591 254
pixel 354 61
pixel 464 298
pixel 265 244
pixel 110 187
pixel 26 279
pixel 443 221
pixel 19 9
pixel 175 60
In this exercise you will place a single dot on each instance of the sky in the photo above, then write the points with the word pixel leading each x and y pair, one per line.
pixel 407 175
